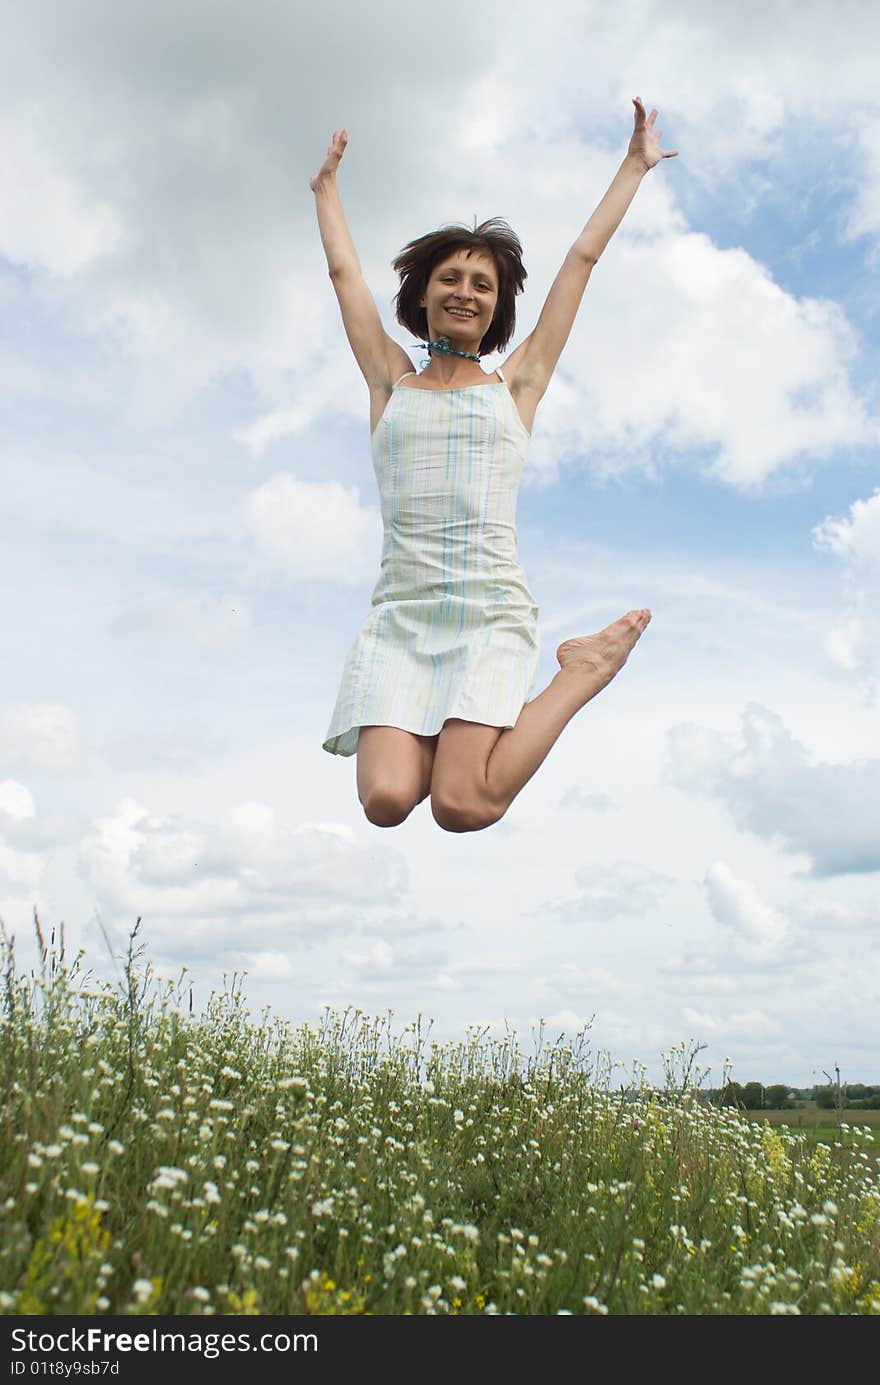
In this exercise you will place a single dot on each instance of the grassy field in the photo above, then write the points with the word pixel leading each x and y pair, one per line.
pixel 815 1123
pixel 153 1161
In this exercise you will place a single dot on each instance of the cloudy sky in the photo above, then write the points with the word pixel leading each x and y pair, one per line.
pixel 191 533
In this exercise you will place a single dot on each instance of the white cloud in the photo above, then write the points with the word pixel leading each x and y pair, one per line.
pixel 15 800
pixel 316 531
pixel 42 735
pixel 862 216
pixel 21 869
pixel 579 799
pixel 766 373
pixel 379 957
pixel 698 1019
pixel 760 933
pixel 766 780
pixel 567 1022
pixel 602 977
pixel 267 966
pixel 853 645
pixel 845 645
pixel 856 539
pixel 624 889
pixel 23 828
pixel 243 875
pixel 825 912
pixel 752 1025
pixel 54 220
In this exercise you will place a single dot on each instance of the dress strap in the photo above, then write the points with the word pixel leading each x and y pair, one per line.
pixel 403 377
pixel 498 371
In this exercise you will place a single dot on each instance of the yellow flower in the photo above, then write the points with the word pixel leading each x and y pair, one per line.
pixel 66 1262
pixel 774 1151
pixel 322 1298
pixel 247 1303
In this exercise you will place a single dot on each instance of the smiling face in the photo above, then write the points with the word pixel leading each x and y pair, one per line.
pixel 460 298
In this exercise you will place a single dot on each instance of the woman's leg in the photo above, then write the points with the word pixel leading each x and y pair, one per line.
pixel 393 772
pixel 479 770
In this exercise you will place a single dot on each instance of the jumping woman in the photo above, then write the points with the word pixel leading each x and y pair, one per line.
pixel 434 691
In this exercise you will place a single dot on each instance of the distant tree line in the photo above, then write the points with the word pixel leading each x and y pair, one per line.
pixel 855 1096
pixel 756 1096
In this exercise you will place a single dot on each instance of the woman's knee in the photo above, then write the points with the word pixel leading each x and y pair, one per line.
pixel 393 772
pixel 455 816
pixel 388 807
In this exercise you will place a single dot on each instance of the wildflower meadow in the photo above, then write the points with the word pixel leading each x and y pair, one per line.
pixel 159 1161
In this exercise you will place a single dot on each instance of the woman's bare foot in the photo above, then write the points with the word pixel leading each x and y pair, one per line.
pixel 596 658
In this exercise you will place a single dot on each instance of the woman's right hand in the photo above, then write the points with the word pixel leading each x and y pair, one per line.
pixel 334 154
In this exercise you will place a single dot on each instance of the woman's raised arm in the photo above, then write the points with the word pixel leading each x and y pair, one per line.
pixel 380 358
pixel 533 362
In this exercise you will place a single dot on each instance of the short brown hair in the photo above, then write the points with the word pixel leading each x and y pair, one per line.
pixel 416 261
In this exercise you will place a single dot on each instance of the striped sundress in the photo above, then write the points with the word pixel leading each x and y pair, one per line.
pixel 453 629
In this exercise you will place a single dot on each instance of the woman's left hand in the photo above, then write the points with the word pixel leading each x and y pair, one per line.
pixel 645 142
